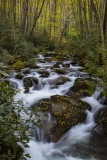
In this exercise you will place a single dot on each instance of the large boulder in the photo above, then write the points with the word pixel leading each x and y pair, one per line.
pixel 82 88
pixel 68 112
pixel 65 113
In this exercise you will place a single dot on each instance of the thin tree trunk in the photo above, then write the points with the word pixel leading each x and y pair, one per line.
pixel 105 21
pixel 36 19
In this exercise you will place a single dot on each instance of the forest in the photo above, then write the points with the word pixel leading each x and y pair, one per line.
pixel 76 29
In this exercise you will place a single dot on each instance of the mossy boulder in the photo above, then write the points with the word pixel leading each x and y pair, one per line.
pixel 82 88
pixel 30 81
pixel 62 80
pixel 60 70
pixel 19 76
pixel 68 112
pixel 43 73
pixel 26 71
pixel 65 113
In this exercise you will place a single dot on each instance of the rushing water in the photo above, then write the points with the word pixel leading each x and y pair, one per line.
pixel 75 144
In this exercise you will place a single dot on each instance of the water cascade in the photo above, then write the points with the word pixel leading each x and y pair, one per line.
pixel 78 143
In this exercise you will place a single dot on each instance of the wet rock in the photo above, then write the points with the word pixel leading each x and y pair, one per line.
pixel 66 65
pixel 19 76
pixel 43 73
pixel 74 63
pixel 60 70
pixel 43 105
pixel 62 80
pixel 57 65
pixel 67 113
pixel 81 88
pixel 26 71
pixel 104 121
pixel 101 117
pixel 102 99
pixel 30 81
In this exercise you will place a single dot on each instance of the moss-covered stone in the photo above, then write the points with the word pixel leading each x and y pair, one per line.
pixel 60 70
pixel 43 73
pixel 30 81
pixel 19 76
pixel 57 65
pixel 62 80
pixel 82 88
pixel 26 71
pixel 68 112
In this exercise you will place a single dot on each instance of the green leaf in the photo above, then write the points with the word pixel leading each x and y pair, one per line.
pixel 4 73
pixel 27 155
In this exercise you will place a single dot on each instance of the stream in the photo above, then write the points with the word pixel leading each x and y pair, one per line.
pixel 79 143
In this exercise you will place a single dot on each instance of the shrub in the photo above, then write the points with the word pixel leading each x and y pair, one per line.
pixel 24 48
pixel 13 128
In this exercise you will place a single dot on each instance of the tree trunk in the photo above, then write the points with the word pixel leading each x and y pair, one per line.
pixel 36 18
pixel 105 21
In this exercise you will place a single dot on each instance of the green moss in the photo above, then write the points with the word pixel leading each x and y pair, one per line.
pixel 18 65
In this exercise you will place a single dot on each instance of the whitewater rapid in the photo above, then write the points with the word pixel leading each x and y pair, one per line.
pixel 72 145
